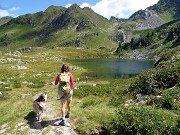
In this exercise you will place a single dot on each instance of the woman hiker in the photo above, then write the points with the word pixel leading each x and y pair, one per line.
pixel 65 91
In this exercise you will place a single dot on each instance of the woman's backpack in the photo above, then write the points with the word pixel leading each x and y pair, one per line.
pixel 65 82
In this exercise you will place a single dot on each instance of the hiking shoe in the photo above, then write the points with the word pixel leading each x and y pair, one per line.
pixel 68 115
pixel 62 123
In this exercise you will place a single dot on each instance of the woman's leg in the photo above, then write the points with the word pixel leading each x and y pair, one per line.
pixel 63 110
pixel 69 99
pixel 62 122
pixel 69 105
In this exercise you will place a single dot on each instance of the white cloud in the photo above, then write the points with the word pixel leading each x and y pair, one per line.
pixel 85 5
pixel 68 5
pixel 119 8
pixel 14 8
pixel 4 13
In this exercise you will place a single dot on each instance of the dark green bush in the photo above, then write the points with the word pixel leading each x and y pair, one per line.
pixel 165 75
pixel 5 87
pixel 170 99
pixel 36 84
pixel 167 102
pixel 87 90
pixel 138 84
pixel 173 91
pixel 167 56
pixel 161 78
pixel 17 84
pixel 143 120
pixel 90 101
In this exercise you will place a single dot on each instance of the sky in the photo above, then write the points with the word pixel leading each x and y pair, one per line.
pixel 106 8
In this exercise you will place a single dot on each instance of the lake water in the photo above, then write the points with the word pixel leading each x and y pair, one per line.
pixel 109 68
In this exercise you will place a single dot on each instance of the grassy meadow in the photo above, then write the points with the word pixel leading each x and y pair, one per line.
pixel 98 105
pixel 28 73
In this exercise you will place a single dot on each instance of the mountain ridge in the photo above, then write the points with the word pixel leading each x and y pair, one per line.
pixel 80 27
pixel 72 26
pixel 154 16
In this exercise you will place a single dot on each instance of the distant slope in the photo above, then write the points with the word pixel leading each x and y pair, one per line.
pixel 4 20
pixel 81 27
pixel 167 9
pixel 78 18
pixel 153 42
pixel 156 15
pixel 58 26
pixel 152 17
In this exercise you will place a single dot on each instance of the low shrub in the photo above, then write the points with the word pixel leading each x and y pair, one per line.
pixel 165 75
pixel 170 99
pixel 16 84
pixel 145 120
pixel 142 82
pixel 36 84
pixel 157 78
pixel 90 101
pixel 87 90
pixel 5 87
pixel 167 102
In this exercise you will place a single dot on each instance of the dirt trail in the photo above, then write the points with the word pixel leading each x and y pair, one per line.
pixel 50 126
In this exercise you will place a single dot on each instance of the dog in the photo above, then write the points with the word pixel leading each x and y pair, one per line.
pixel 39 105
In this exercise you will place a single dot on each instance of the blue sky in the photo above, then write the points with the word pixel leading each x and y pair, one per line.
pixel 107 8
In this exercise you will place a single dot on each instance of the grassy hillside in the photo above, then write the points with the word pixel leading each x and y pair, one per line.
pixel 168 9
pixel 56 27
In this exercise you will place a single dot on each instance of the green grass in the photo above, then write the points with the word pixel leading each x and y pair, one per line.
pixel 92 113
pixel 48 61
pixel 165 46
pixel 93 107
pixel 168 18
pixel 14 106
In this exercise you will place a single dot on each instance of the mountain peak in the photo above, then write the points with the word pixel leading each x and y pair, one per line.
pixel 73 6
pixel 158 14
pixel 54 8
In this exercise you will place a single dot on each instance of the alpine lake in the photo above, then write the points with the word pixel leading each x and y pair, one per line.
pixel 112 68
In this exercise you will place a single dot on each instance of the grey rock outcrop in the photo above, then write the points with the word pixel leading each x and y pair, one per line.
pixel 152 20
